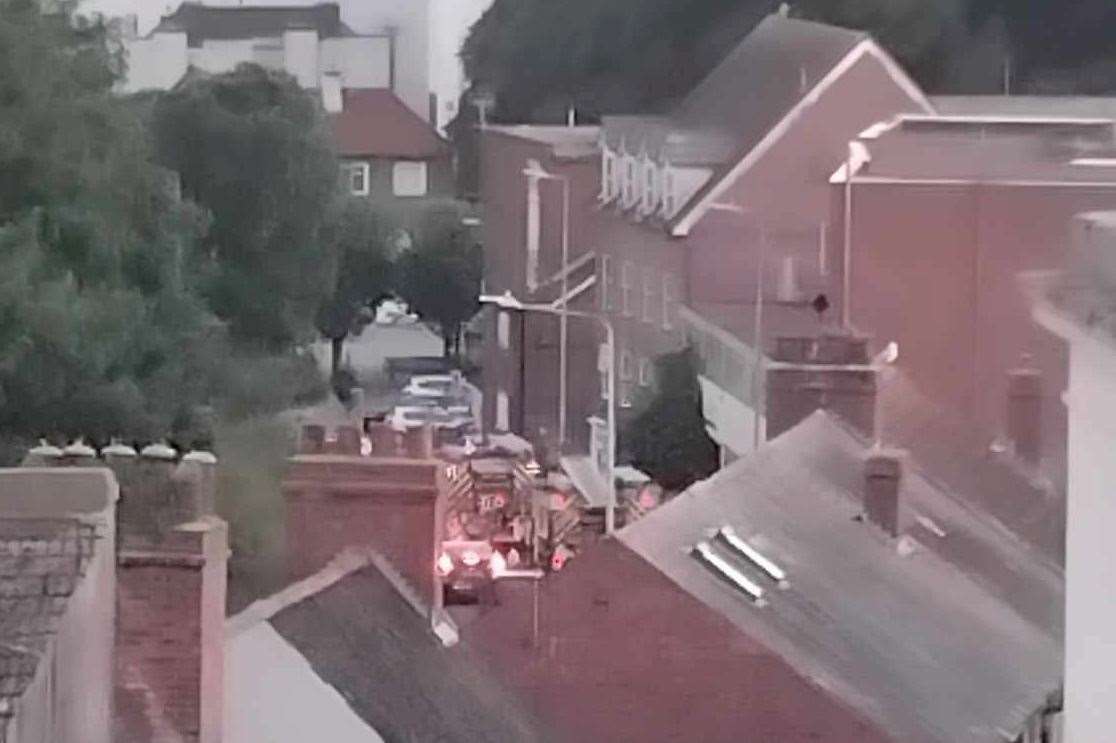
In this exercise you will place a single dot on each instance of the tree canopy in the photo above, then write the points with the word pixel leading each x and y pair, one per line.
pixel 253 148
pixel 439 276
pixel 667 440
pixel 104 329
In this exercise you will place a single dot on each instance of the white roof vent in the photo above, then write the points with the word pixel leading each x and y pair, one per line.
pixel 752 555
pixel 705 554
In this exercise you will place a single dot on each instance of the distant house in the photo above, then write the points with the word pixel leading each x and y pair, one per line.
pixel 1077 305
pixel 671 216
pixel 819 589
pixel 389 154
pixel 309 42
pixel 411 48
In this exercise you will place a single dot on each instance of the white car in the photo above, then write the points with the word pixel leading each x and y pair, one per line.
pixel 433 386
pixel 404 418
pixel 393 312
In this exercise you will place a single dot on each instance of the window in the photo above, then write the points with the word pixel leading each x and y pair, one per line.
pixel 626 365
pixel 668 197
pixel 668 303
pixel 408 178
pixel 626 287
pixel 534 232
pixel 604 275
pixel 625 395
pixel 604 353
pixel 608 175
pixel 503 416
pixel 650 187
pixel 628 197
pixel 649 295
pixel 645 372
pixel 503 331
pixel 358 178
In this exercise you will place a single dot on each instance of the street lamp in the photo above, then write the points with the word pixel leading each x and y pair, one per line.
pixel 535 172
pixel 507 301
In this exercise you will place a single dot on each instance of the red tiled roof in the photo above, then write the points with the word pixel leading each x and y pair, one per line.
pixel 625 654
pixel 376 123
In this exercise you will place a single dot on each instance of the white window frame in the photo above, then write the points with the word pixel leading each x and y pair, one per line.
pixel 534 232
pixel 628 195
pixel 604 276
pixel 608 175
pixel 648 313
pixel 644 372
pixel 669 195
pixel 503 412
pixel 401 169
pixel 365 170
pixel 626 271
pixel 650 187
pixel 668 301
pixel 503 330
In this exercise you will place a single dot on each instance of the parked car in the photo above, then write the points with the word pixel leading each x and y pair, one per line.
pixel 433 386
pixel 394 312
pixel 404 418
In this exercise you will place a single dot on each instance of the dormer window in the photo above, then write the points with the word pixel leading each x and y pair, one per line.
pixel 669 195
pixel 628 196
pixel 650 187
pixel 608 175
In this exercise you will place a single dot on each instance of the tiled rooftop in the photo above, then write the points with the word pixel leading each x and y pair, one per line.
pixel 41 562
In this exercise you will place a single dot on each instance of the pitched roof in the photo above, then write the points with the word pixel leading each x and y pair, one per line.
pixel 201 22
pixel 777 70
pixel 956 454
pixel 884 629
pixel 364 639
pixel 761 80
pixel 376 123
pixel 41 562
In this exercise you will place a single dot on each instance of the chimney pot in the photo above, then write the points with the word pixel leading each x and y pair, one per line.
pixel 348 441
pixel 159 450
pixel 883 479
pixel 312 440
pixel 419 443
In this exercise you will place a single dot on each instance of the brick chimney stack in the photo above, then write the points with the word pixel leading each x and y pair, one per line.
pixel 830 372
pixel 1024 413
pixel 883 481
pixel 172 555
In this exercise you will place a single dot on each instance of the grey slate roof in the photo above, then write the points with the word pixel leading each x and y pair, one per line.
pixel 926 644
pixel 744 97
pixel 201 22
pixel 41 562
pixel 362 638
pixel 765 76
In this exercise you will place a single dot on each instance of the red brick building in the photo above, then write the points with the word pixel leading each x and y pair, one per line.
pixel 945 213
pixel 670 212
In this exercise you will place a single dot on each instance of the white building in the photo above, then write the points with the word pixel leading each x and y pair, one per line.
pixel 1078 306
pixel 409 46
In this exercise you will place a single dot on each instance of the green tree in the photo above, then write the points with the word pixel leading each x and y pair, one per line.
pixel 98 321
pixel 363 275
pixel 253 148
pixel 439 275
pixel 667 440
